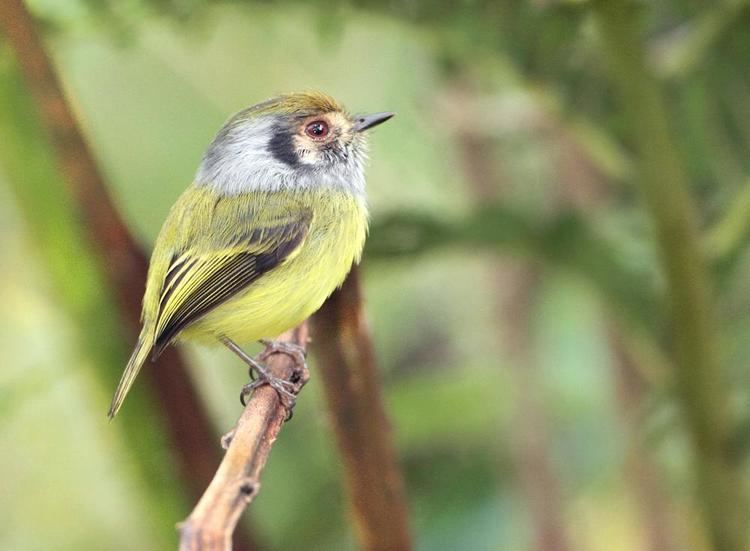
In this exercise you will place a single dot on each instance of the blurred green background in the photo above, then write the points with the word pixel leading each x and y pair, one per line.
pixel 513 283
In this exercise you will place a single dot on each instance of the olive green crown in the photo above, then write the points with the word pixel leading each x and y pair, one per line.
pixel 298 103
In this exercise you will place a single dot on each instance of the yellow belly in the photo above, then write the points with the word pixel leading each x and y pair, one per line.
pixel 291 292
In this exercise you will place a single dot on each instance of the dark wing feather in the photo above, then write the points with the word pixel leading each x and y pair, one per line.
pixel 195 285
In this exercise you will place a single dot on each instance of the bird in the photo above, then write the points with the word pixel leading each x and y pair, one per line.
pixel 272 223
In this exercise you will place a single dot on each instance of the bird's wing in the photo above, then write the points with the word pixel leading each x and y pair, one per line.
pixel 211 269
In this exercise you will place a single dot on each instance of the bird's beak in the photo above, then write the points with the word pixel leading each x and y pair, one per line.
pixel 365 122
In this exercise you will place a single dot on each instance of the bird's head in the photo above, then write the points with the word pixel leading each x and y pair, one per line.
pixel 297 140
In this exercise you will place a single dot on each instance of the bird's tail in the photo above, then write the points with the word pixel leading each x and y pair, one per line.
pixel 142 349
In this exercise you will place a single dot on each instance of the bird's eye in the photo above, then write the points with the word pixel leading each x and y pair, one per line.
pixel 317 129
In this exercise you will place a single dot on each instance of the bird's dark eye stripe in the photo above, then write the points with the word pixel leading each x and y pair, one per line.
pixel 317 129
pixel 281 146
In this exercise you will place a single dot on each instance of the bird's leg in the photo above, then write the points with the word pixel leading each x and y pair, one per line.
pixel 282 387
pixel 294 351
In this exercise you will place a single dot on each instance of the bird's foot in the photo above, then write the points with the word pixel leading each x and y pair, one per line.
pixel 294 351
pixel 298 355
pixel 261 376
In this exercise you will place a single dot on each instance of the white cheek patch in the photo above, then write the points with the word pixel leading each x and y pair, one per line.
pixel 239 161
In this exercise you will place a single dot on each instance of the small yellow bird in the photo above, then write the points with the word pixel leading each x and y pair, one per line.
pixel 270 227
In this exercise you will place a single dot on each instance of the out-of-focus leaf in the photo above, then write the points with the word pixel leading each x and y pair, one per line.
pixel 683 49
pixel 567 241
pixel 731 233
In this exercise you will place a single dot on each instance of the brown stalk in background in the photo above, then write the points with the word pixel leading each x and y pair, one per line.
pixel 581 186
pixel 122 261
pixel 517 285
pixel 237 480
pixel 648 482
pixel 518 288
pixel 585 188
pixel 346 361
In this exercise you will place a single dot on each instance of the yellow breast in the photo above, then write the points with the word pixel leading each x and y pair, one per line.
pixel 291 292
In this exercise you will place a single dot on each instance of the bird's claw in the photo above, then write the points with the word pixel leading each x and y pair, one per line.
pixel 285 389
pixel 294 351
pixel 259 375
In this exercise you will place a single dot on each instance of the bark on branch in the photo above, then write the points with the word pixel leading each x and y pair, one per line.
pixel 237 480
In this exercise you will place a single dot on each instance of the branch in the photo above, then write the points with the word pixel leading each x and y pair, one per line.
pixel 237 480
pixel 346 361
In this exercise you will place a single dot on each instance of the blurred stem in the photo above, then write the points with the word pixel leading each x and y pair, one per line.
pixel 346 362
pixel 519 287
pixel 648 483
pixel 702 390
pixel 81 289
pixel 118 259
